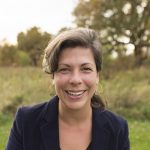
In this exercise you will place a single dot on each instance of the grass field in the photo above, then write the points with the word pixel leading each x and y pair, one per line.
pixel 127 93
pixel 139 135
pixel 5 125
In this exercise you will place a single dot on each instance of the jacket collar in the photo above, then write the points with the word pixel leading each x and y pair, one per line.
pixel 50 130
pixel 49 126
pixel 100 134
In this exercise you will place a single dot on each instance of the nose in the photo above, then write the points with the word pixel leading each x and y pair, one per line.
pixel 75 78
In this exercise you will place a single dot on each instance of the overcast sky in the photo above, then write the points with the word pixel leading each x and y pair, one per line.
pixel 20 15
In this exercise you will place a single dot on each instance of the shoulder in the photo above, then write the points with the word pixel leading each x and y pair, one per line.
pixel 111 120
pixel 28 122
pixel 35 113
pixel 33 110
pixel 118 127
pixel 113 126
pixel 114 118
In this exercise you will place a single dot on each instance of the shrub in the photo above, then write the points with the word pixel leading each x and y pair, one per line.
pixel 23 59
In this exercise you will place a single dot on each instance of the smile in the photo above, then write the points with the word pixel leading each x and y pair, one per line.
pixel 75 93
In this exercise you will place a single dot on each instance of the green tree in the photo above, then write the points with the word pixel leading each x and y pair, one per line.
pixel 33 42
pixel 120 23
pixel 8 55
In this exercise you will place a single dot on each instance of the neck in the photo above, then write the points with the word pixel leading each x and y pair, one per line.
pixel 73 117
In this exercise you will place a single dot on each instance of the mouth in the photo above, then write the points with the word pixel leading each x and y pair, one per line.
pixel 75 93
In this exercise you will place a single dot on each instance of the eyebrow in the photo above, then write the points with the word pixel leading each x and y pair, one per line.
pixel 67 65
pixel 84 64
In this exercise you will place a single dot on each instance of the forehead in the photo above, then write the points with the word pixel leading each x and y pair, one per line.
pixel 76 55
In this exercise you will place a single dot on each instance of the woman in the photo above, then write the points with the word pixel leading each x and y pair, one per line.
pixel 76 118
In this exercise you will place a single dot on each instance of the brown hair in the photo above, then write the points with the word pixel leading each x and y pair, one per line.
pixel 82 37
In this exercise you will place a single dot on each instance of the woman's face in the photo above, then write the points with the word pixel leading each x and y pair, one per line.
pixel 76 78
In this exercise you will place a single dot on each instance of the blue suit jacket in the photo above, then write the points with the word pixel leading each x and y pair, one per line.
pixel 36 128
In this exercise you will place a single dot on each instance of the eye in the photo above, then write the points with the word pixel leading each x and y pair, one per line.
pixel 87 69
pixel 63 70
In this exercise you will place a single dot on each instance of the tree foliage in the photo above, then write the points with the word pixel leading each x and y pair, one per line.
pixel 8 55
pixel 33 42
pixel 121 23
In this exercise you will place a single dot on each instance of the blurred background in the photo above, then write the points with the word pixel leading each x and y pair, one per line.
pixel 123 28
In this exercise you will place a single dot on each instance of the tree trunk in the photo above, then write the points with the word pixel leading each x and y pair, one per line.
pixel 138 56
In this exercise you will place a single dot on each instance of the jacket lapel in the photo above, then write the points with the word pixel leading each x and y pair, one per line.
pixel 50 131
pixel 100 135
pixel 49 126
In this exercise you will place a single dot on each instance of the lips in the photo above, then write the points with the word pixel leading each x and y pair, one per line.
pixel 75 93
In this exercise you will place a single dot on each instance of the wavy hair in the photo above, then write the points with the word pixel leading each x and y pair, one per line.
pixel 82 37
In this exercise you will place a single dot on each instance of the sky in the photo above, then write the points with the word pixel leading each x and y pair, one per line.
pixel 20 15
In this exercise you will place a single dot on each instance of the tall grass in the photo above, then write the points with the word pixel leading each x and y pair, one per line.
pixel 22 86
pixel 128 93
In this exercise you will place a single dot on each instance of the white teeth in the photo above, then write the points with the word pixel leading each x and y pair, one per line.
pixel 75 93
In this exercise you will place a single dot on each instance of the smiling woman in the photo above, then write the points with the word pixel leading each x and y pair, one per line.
pixel 76 118
pixel 76 78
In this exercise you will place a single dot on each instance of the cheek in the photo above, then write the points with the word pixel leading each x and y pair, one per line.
pixel 90 81
pixel 58 86
pixel 60 81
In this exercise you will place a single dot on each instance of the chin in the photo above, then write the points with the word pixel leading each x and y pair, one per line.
pixel 76 105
